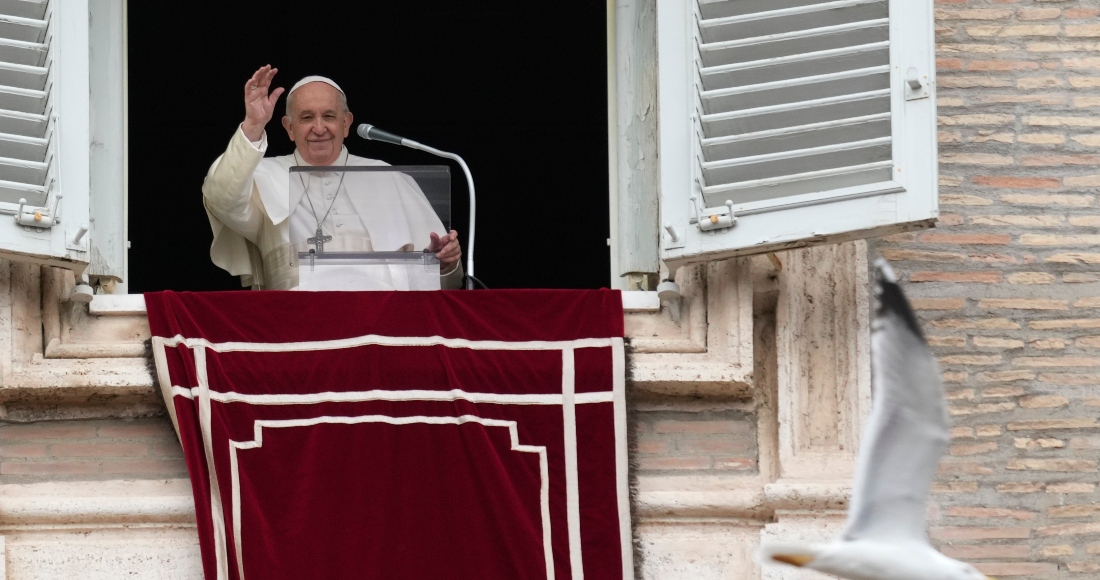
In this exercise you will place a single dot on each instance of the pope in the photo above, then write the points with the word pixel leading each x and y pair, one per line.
pixel 246 195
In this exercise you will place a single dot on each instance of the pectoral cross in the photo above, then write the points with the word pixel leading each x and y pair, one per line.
pixel 318 240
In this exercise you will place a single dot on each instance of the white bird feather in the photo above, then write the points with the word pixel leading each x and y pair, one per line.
pixel 886 535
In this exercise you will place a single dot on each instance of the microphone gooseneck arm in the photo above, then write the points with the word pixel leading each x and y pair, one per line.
pixel 375 134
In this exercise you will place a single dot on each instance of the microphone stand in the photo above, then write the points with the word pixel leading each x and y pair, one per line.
pixel 375 134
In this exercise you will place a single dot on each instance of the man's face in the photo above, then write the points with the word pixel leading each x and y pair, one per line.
pixel 318 123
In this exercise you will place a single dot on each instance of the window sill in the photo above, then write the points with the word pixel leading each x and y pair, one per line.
pixel 117 305
pixel 134 304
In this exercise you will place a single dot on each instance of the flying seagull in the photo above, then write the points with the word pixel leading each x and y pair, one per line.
pixel 886 535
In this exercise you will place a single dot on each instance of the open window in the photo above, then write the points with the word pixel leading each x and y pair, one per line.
pixel 785 123
pixel 54 153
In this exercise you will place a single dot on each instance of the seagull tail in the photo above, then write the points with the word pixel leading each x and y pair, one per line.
pixel 790 554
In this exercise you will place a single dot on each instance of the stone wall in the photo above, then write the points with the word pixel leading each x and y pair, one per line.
pixel 685 437
pixel 68 450
pixel 1008 284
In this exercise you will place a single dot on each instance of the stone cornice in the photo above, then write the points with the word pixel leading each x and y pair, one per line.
pixel 96 504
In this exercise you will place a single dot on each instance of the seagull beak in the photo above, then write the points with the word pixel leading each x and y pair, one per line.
pixel 798 560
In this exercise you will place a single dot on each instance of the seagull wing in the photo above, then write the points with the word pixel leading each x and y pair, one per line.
pixel 907 432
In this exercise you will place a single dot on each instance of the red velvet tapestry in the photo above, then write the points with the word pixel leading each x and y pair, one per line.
pixel 401 434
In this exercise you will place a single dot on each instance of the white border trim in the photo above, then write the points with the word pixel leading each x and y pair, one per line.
pixel 572 476
pixel 376 339
pixel 383 395
pixel 622 456
pixel 217 512
pixel 258 441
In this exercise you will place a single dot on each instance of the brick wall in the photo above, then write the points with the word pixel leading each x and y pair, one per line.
pixel 681 437
pixel 82 450
pixel 1008 284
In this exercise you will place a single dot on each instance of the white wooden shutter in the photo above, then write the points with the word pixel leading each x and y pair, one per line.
pixel 790 122
pixel 44 138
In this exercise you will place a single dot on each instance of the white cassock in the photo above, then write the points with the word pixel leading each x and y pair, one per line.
pixel 247 199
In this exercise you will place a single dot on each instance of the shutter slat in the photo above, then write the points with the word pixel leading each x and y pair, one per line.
pixel 796 153
pixel 762 135
pixel 813 159
pixel 784 84
pixel 22 29
pixel 26 124
pixel 21 147
pixel 23 100
pixel 18 52
pixel 758 40
pixel 791 71
pixel 777 188
pixel 797 58
pixel 795 106
pixel 722 13
pixel 23 76
pixel 807 176
pixel 805 47
pixel 23 8
pixel 716 31
pixel 795 95
pixel 11 192
pixel 842 131
pixel 839 111
pixel 23 171
pixel 831 86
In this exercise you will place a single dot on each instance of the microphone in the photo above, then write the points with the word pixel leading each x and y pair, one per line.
pixel 372 133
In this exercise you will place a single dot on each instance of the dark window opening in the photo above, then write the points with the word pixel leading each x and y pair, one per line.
pixel 519 90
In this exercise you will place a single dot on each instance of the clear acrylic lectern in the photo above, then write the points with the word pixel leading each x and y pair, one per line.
pixel 359 227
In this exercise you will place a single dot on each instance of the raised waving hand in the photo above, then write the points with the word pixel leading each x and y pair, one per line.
pixel 259 102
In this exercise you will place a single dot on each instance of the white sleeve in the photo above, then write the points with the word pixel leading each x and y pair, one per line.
pixel 228 191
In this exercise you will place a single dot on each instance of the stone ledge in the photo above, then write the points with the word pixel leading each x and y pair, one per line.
pixel 791 495
pixel 671 374
pixel 737 503
pixel 77 379
pixel 735 497
pixel 55 349
pixel 92 504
